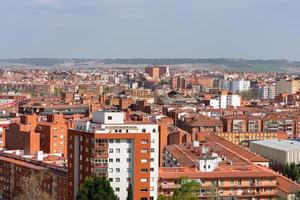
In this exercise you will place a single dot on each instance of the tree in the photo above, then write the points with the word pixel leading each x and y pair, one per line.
pixel 31 187
pixel 291 171
pixel 189 190
pixel 213 193
pixel 248 95
pixel 130 196
pixel 96 188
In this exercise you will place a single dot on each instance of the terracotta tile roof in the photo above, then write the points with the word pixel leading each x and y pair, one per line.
pixel 204 121
pixel 176 173
pixel 21 163
pixel 286 185
pixel 236 149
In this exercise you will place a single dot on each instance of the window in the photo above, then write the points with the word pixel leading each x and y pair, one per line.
pixel 152 141
pixel 109 117
pixel 144 189
pixel 151 159
pixel 144 180
pixel 117 179
pixel 153 130
pixel 144 160
pixel 111 150
pixel 128 150
pixel 117 189
pixel 118 170
pixel 111 170
pixel 151 169
pixel 239 182
pixel 128 140
pixel 128 179
pixel 144 170
pixel 128 159
pixel 128 169
pixel 117 140
pixel 152 150
pixel 144 130
pixel 144 150
pixel 111 160
pixel 117 159
pixel 111 140
pixel 55 136
pixel 110 179
pixel 144 141
pixel 118 150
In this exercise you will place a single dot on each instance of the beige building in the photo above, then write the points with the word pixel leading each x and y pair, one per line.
pixel 287 86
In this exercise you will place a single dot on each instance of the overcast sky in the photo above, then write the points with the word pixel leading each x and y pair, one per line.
pixel 150 28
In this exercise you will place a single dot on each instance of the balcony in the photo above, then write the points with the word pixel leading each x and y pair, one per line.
pixel 170 186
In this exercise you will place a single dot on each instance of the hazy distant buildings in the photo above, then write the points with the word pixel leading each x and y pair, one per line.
pixel 157 72
pixel 287 86
pixel 266 91
pixel 235 86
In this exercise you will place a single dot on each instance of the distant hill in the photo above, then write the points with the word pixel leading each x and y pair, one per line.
pixel 235 64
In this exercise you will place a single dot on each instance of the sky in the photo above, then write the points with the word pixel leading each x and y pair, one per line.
pixel 251 29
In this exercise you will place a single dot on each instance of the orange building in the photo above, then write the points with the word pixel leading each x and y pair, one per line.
pixel 13 168
pixel 223 170
pixel 22 135
pixel 153 72
pixel 125 151
pixel 31 134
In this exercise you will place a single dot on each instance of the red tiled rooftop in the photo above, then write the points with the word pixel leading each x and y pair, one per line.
pixel 237 149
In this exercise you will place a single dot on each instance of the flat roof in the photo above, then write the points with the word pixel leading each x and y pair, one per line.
pixel 285 145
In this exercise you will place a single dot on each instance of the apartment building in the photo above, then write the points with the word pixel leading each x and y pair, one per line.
pixel 153 72
pixel 139 92
pixel 289 86
pixel 242 123
pixel 127 152
pixel 243 138
pixel 199 123
pixel 33 133
pixel 222 169
pixel 13 167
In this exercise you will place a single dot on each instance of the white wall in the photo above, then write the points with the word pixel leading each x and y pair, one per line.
pixel 105 117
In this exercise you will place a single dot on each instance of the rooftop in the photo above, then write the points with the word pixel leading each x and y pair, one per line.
pixel 285 145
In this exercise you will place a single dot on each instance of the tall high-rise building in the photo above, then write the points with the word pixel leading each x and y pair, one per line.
pixel 157 72
pixel 153 72
pixel 127 152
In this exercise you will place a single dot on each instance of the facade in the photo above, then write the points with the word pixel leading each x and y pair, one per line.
pixel 153 72
pixel 127 152
pixel 13 168
pixel 287 86
pixel 279 151
pixel 139 92
pixel 242 138
pixel 240 85
pixel 267 91
pixel 222 169
pixel 33 134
